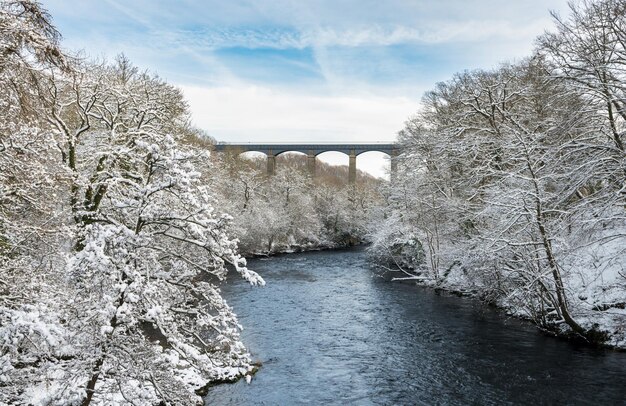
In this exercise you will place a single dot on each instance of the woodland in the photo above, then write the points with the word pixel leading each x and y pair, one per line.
pixel 118 222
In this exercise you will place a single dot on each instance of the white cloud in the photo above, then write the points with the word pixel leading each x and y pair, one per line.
pixel 254 113
pixel 433 32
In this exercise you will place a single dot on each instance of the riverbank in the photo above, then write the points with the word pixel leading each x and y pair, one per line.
pixel 608 332
pixel 299 248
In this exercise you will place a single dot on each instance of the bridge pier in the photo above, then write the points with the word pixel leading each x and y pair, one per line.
pixel 352 168
pixel 271 164
pixel 393 158
pixel 310 161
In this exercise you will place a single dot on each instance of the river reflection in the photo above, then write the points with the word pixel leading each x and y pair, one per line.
pixel 329 331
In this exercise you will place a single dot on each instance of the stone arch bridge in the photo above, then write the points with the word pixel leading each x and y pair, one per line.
pixel 312 151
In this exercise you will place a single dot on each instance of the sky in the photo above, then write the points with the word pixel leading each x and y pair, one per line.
pixel 304 70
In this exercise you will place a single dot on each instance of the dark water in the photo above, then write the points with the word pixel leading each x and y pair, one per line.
pixel 329 331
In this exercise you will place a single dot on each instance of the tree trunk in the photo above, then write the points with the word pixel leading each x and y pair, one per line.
pixel 547 246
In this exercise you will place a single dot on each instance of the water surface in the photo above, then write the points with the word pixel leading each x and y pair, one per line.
pixel 330 331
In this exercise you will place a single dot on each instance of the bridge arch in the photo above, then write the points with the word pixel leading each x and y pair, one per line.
pixel 377 162
pixel 290 151
pixel 251 153
pixel 332 158
pixel 388 153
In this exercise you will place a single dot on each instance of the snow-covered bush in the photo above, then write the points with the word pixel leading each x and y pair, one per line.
pixel 394 243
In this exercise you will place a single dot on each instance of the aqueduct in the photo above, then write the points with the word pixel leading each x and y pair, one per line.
pixel 312 151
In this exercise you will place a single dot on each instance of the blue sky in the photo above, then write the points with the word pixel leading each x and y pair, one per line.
pixel 296 70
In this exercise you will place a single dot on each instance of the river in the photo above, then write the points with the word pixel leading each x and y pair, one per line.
pixel 329 330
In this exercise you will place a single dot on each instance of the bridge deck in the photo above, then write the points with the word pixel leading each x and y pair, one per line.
pixel 309 149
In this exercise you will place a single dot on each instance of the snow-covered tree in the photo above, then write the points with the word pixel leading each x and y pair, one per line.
pixel 31 209
pixel 147 273
pixel 111 247
pixel 291 210
pixel 505 182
